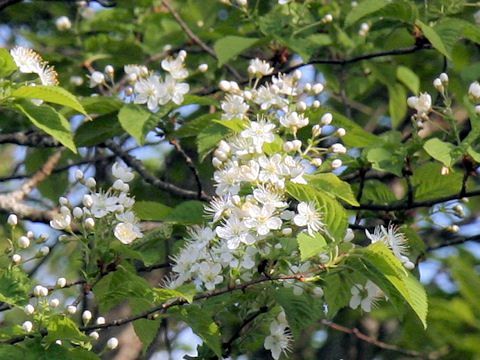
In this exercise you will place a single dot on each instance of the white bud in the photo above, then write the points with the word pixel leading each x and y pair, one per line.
pixel 223 146
pixel 63 23
pixel 89 223
pixel 251 70
pixel 477 109
pixel 437 83
pixel 444 78
pixel 54 303
pixel 16 258
pixel 43 237
pixel 444 170
pixel 409 265
pixel 44 250
pixel 71 309
pixel 224 85
pixel 219 154
pixel 341 132
pixel 217 163
pixel 316 104
pixel 203 67
pixel 86 316
pixel 454 228
pixel 316 162
pixel 336 163
pixel 118 185
pixel 40 291
pixel 287 231
pixel 61 282
pixel 328 18
pixel 301 106
pixel 77 212
pixel 316 130
pixel 87 201
pixel 79 174
pixel 349 235
pixel 109 70
pixel 288 146
pixel 297 145
pixel 94 335
pixel 91 183
pixel 27 326
pixel 297 74
pixel 63 238
pixel 29 309
pixel 128 90
pixel 338 148
pixel 242 2
pixel 112 343
pixel 234 86
pixel 132 77
pixel 100 320
pixel 317 88
pixel 326 119
pixel 58 342
pixel 318 291
pixel 248 95
pixel 12 220
pixel 63 201
pixel 30 235
pixel 24 242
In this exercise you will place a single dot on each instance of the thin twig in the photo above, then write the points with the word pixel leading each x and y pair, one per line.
pixel 36 139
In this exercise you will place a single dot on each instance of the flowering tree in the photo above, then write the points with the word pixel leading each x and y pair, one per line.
pixel 274 175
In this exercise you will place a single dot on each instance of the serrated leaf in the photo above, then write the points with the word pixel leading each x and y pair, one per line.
pixel 301 311
pixel 337 292
pixel 408 78
pixel 62 328
pixel 194 127
pixel 403 10
pixel 50 121
pixel 14 286
pixel 98 130
pixel 332 184
pixel 151 210
pixel 134 119
pixel 52 94
pixel 387 157
pixel 7 65
pixel 429 183
pixel 236 125
pixel 441 151
pixel 363 9
pixel 230 46
pixel 434 38
pixel 187 213
pixel 310 246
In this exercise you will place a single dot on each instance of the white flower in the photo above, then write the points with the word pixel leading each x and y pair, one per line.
pixel 279 339
pixel 40 291
pixel 148 91
pixel 474 91
pixel 260 132
pixel 234 232
pixel 27 60
pixel 97 78
pixel 27 326
pixel 228 180
pixel 209 274
pixel 176 67
pixel 234 107
pixel 308 216
pixel 122 172
pixel 135 72
pixel 262 219
pixel 391 237
pixel 29 309
pixel 422 103
pixel 71 309
pixel 269 197
pixel 61 221
pixel 103 205
pixel 12 220
pixel 271 169
pixel 63 23
pixel 172 90
pixel 365 296
pixel 266 98
pixel 126 232
pixel 259 68
pixel 294 121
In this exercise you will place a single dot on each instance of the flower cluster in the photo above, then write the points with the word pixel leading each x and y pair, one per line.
pixel 28 61
pixel 112 207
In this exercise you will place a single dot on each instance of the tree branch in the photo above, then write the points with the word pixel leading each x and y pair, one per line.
pixel 36 139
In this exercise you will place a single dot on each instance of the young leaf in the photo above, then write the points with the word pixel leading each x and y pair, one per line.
pixel 429 183
pixel 230 46
pixel 310 246
pixel 397 104
pixel 151 210
pixel 408 78
pixel 187 213
pixel 133 119
pixel 441 151
pixel 50 121
pixel 332 184
pixel 209 138
pixel 14 286
pixel 52 94
pixel 98 130
pixel 62 328
pixel 363 9
pixel 7 65
pixel 434 38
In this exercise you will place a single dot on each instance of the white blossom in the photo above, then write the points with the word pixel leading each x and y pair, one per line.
pixel 309 216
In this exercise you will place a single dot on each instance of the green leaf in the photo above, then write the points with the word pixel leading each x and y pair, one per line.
pixel 402 10
pixel 50 121
pixel 209 138
pixel 377 192
pixel 333 214
pixel 98 130
pixel 301 311
pixel 202 324
pixel 199 100
pixel 82 354
pixel 146 330
pixel 62 328
pixel 409 79
pixel 383 159
pixel 53 94
pixel 397 103
pixel 230 46
pixel 391 269
pixel 467 279
pixel 434 38
pixel 7 65
pixel 187 213
pixel 151 210
pixel 310 246
pixel 193 127
pixel 14 286
pixel 429 183
pixel 134 119
pixel 332 184
pixel 363 9
pixel 356 136
pixel 337 292
pixel 236 125
pixel 186 292
pixel 441 151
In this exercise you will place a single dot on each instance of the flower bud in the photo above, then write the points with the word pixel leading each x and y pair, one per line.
pixel 71 309
pixel 217 163
pixel 77 212
pixel 297 74
pixel 61 282
pixel 477 109
pixel 307 87
pixel 91 183
pixel 87 201
pixel 326 119
pixel 336 163
pixel 27 326
pixel 349 235
pixel 40 291
pixel 63 201
pixel 29 309
pixel 112 343
pixel 409 265
pixel 59 342
pixel 63 23
pixel 444 170
pixel 287 231
pixel 338 148
pixel 129 90
pixel 316 104
pixel 248 95
pixel 317 88
pixel 224 85
pixel 234 86
pixel 242 2
pixel 16 258
pixel 109 70
pixel 54 303
pixel 100 320
pixel 437 83
pixel 219 154
pixel 316 162
pixel 341 132
pixel 316 130
pixel 44 250
pixel 288 146
pixel 89 223
pixel 328 18
pixel 24 242
pixel 79 174
pixel 94 335
pixel 12 220
pixel 444 78
pixel 297 144
pixel 301 106
pixel 474 91
pixel 86 316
